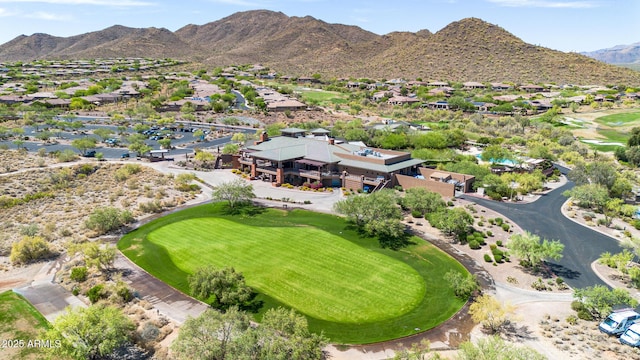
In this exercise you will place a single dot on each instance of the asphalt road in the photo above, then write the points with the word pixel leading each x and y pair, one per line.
pixel 544 218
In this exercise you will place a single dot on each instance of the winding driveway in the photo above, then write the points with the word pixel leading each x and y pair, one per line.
pixel 545 219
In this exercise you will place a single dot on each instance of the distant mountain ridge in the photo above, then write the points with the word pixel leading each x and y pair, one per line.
pixel 620 54
pixel 466 50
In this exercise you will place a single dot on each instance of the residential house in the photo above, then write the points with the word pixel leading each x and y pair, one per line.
pixel 531 88
pixel 500 87
pixel 438 83
pixel 403 100
pixel 472 85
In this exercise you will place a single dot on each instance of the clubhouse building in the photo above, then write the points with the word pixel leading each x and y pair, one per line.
pixel 297 157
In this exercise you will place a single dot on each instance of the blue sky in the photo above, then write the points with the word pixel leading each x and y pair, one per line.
pixel 566 25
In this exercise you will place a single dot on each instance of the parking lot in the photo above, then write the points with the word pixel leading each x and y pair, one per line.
pixel 183 139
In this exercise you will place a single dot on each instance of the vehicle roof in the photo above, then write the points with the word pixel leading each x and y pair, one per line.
pixel 619 316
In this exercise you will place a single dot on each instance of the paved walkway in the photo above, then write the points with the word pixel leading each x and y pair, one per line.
pixel 48 297
pixel 166 300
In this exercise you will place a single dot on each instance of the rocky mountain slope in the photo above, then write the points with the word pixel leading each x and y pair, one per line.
pixel 620 54
pixel 465 50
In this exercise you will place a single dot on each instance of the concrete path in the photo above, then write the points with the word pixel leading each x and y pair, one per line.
pixel 166 300
pixel 48 297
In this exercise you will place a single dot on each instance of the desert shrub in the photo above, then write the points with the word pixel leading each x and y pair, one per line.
pixel 416 213
pixel 505 227
pixel 497 258
pixel 79 274
pixel 492 247
pixel 498 242
pixel 126 171
pixel 154 206
pixel 488 258
pixel 463 286
pixel 85 169
pixel 634 275
pixel 492 221
pixel 122 292
pixel 103 220
pixel 539 285
pixel 30 230
pixel 581 310
pixel 67 155
pixel 30 248
pixel 96 293
pixel 149 332
pixel 572 319
pixel 636 224
pixel 473 244
pixel 499 221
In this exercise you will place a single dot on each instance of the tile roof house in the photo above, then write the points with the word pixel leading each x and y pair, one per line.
pixel 296 160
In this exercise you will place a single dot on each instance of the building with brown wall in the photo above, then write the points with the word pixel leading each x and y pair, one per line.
pixel 299 159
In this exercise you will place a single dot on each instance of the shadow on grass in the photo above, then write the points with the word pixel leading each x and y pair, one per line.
pixel 243 209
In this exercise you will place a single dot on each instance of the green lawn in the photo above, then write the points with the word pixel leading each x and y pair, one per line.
pixel 324 98
pixel 614 135
pixel 346 285
pixel 19 320
pixel 622 119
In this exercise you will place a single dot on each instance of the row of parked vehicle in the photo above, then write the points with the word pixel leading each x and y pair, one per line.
pixel 624 323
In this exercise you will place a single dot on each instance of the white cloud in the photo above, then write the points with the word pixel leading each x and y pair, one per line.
pixel 114 3
pixel 41 15
pixel 561 4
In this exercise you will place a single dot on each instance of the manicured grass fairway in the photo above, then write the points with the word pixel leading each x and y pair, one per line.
pixel 622 119
pixel 345 284
pixel 19 320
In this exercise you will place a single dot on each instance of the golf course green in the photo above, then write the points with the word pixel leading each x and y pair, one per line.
pixel 347 286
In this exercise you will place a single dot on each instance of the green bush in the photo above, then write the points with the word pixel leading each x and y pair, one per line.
pixel 106 219
pixel 96 293
pixel 126 171
pixel 499 221
pixel 498 258
pixel 581 310
pixel 505 227
pixel 498 242
pixel 474 244
pixel 493 247
pixel 416 213
pixel 487 258
pixel 30 248
pixel 79 274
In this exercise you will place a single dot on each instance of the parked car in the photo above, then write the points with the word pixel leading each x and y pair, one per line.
pixel 125 155
pixel 91 153
pixel 631 336
pixel 618 321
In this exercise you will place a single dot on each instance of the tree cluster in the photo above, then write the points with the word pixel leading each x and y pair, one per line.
pixel 282 334
pixel 377 214
pixel 532 250
pixel 225 288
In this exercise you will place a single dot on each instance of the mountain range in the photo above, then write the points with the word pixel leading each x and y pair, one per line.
pixel 466 50
pixel 620 54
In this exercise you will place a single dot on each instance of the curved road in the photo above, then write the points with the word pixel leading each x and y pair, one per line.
pixel 545 219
